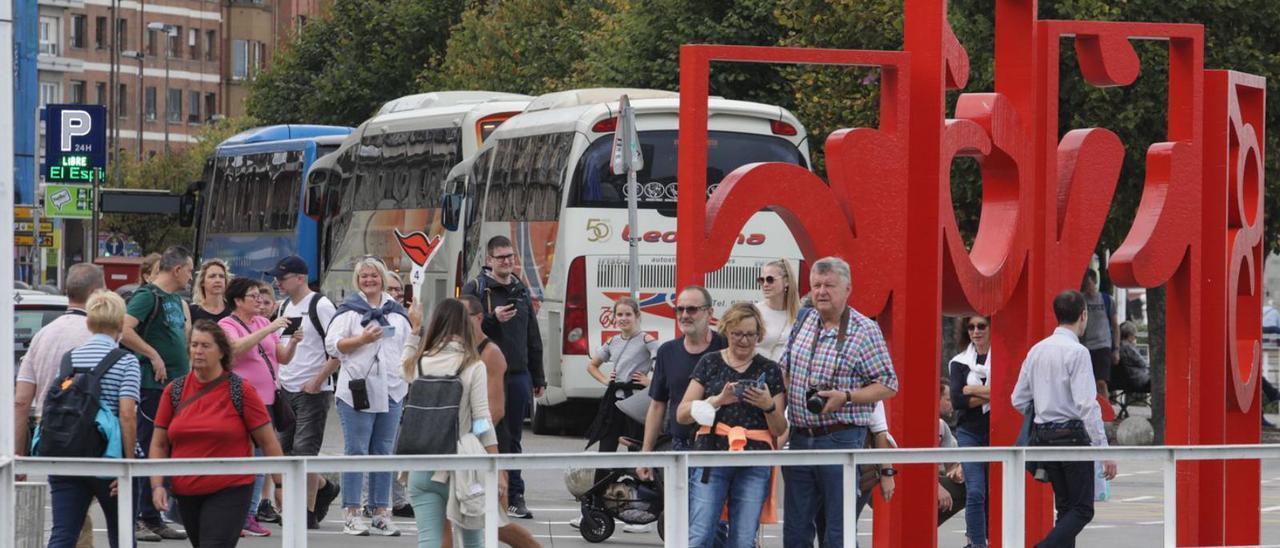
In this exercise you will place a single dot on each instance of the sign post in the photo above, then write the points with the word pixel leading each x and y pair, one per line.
pixel 75 152
pixel 628 158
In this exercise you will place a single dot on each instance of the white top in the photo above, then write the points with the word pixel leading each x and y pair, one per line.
pixel 378 362
pixel 309 357
pixel 880 423
pixel 777 327
pixel 1058 376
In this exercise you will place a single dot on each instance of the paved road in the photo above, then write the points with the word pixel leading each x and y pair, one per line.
pixel 1132 517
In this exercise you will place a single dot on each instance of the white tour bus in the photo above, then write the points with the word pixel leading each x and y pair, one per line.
pixel 380 193
pixel 543 179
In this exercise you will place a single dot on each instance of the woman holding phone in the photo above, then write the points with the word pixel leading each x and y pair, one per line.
pixel 367 336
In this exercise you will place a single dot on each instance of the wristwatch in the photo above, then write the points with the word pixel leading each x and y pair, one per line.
pixel 888 472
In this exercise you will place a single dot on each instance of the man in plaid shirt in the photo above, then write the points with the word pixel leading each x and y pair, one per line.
pixel 842 354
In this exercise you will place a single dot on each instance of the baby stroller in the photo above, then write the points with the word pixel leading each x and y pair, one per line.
pixel 619 495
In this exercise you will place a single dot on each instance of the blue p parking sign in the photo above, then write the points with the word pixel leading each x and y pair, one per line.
pixel 75 143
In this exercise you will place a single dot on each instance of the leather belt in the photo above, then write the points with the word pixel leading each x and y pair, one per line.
pixel 818 431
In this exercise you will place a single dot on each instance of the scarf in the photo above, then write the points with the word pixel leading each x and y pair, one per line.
pixel 979 374
pixel 368 313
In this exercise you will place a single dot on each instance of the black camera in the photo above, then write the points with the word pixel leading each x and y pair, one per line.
pixel 813 402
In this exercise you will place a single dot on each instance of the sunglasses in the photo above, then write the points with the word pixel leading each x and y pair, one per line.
pixel 977 327
pixel 767 279
pixel 690 310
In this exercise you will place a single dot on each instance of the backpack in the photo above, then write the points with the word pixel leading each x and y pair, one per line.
pixel 69 418
pixel 237 393
pixel 431 407
pixel 156 307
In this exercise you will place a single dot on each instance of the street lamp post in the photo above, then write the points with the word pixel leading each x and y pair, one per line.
pixel 131 54
pixel 170 32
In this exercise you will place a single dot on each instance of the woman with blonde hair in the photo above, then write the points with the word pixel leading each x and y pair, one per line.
pixel 779 308
pixel 209 290
pixel 367 336
pixel 449 348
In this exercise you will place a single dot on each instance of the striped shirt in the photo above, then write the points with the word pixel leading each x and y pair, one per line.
pixel 121 381
pixel 864 361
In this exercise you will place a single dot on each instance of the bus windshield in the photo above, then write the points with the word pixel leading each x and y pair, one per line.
pixel 595 185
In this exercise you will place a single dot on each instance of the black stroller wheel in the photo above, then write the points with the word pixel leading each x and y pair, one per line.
pixel 596 526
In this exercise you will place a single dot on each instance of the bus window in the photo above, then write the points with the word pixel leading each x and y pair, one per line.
pixel 525 184
pixel 595 185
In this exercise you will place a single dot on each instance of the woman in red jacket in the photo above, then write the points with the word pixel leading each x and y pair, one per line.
pixel 207 422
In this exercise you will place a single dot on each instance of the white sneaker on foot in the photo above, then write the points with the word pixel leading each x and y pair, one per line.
pixel 576 522
pixel 383 527
pixel 355 526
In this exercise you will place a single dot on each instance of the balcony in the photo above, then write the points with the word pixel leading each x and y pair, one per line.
pixel 56 63
pixel 77 4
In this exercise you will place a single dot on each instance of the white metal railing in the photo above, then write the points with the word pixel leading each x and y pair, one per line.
pixel 676 466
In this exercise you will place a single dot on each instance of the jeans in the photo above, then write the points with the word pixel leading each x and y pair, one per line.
pixel 214 520
pixel 975 488
pixel 519 397
pixel 144 510
pixel 71 497
pixel 745 489
pixel 256 495
pixel 368 434
pixel 811 487
pixel 430 500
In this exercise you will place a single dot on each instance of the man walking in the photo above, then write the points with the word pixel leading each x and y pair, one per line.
pixel 836 357
pixel 156 330
pixel 510 320
pixel 305 379
pixel 1057 378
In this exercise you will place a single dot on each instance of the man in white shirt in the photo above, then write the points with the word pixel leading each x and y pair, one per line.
pixel 305 379
pixel 1057 378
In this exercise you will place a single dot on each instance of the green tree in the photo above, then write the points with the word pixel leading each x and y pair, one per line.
pixel 343 66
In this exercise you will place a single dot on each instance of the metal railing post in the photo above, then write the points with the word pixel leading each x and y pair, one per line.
pixel 124 505
pixel 8 497
pixel 1013 498
pixel 849 478
pixel 675 503
pixel 491 504
pixel 1171 499
pixel 294 529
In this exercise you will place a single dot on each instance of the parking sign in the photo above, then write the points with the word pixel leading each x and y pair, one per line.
pixel 75 143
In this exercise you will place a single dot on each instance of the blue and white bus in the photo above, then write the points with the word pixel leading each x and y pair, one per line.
pixel 254 188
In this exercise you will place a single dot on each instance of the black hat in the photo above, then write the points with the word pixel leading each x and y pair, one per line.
pixel 292 264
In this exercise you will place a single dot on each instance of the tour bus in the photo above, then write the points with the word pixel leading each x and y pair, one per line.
pixel 380 193
pixel 254 189
pixel 543 179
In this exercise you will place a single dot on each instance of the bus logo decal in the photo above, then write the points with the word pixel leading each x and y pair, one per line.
pixel 599 230
pixel 418 246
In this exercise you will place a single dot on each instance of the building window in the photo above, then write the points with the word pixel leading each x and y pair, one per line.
pixel 210 45
pixel 193 43
pixel 122 102
pixel 193 107
pixel 210 105
pixel 175 42
pixel 150 45
pixel 78 91
pixel 79 26
pixel 122 34
pixel 100 93
pixel 150 100
pixel 50 93
pixel 246 58
pixel 173 105
pixel 100 32
pixel 50 32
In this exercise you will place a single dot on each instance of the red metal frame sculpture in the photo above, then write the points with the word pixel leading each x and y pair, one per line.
pixel 887 209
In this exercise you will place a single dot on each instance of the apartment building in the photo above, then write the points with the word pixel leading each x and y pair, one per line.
pixel 255 30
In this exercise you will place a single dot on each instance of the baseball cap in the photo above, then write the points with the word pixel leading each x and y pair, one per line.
pixel 292 264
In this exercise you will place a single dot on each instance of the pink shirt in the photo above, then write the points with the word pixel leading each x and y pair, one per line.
pixel 44 355
pixel 250 365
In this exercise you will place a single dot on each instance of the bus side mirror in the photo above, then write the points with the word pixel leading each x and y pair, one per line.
pixel 313 202
pixel 451 211
pixel 188 203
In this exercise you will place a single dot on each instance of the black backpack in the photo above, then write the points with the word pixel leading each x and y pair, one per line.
pixel 431 410
pixel 237 393
pixel 68 420
pixel 157 307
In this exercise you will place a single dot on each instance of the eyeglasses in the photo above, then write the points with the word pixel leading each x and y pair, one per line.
pixel 743 335
pixel 503 258
pixel 690 310
pixel 977 327
pixel 767 279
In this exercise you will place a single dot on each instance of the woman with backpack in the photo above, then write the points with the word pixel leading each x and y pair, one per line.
pixel 118 393
pixel 448 350
pixel 210 413
pixel 367 336
pixel 257 354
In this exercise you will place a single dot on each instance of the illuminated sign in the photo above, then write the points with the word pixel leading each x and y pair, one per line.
pixel 68 201
pixel 75 143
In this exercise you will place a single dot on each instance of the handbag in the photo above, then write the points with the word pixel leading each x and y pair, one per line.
pixel 282 415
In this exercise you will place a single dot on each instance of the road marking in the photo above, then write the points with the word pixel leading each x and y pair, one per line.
pixel 1123 475
pixel 1136 499
pixel 1142 472
pixel 1100 527
pixel 1157 522
pixel 1271 509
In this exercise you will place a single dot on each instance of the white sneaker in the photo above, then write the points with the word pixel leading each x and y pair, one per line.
pixel 355 526
pixel 576 523
pixel 639 529
pixel 383 527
